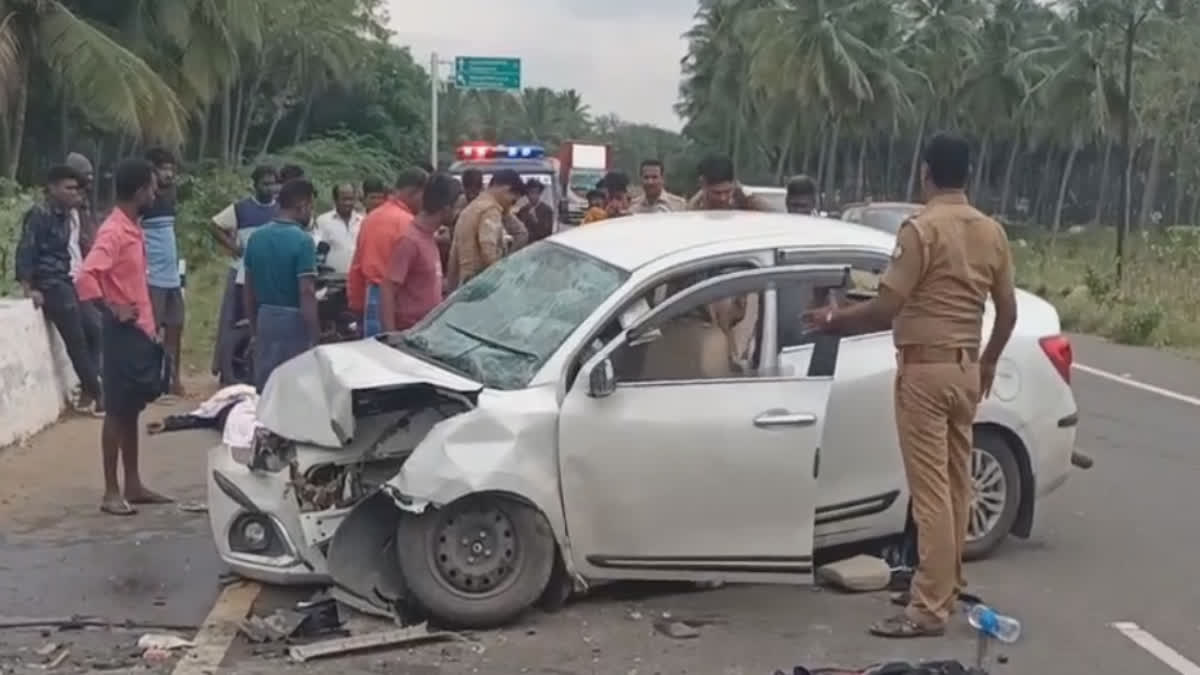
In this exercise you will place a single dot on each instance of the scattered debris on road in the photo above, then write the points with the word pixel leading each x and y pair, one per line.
pixel 80 621
pixel 58 660
pixel 47 649
pixel 279 625
pixel 676 629
pixel 157 648
pixel 862 573
pixel 356 643
pixel 193 507
pixel 312 618
pixel 163 641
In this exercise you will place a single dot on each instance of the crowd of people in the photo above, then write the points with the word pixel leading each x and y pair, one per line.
pixel 114 291
pixel 402 248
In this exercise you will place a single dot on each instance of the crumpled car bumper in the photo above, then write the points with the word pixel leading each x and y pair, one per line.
pixel 237 496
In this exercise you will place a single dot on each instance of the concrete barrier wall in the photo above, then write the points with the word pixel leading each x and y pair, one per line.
pixel 35 375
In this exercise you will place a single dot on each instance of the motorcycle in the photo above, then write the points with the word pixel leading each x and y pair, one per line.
pixel 337 322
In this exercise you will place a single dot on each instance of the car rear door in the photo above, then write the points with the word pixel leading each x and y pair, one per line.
pixel 697 479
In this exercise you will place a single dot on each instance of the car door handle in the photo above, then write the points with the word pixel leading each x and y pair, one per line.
pixel 784 418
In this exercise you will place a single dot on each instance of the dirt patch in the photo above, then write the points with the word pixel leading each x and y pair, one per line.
pixel 53 481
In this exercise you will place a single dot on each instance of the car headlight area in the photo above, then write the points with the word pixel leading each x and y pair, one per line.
pixel 255 523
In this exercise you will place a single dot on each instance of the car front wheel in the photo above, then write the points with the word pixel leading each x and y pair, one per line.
pixel 477 563
pixel 996 491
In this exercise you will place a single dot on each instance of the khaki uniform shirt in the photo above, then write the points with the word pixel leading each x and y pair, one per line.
pixel 478 239
pixel 666 203
pixel 948 257
pixel 737 317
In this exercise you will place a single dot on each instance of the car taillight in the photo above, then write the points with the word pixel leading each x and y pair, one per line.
pixel 1058 350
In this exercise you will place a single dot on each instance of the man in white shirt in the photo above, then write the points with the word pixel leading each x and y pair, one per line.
pixel 339 228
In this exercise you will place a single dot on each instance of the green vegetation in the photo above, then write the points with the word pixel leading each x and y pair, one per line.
pixel 843 91
pixel 847 91
pixel 1157 303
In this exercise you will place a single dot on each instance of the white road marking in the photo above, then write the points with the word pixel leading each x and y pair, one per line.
pixel 219 629
pixel 1157 649
pixel 1129 382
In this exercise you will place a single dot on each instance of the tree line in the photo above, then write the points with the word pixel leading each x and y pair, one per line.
pixel 1061 100
pixel 229 82
pixel 842 90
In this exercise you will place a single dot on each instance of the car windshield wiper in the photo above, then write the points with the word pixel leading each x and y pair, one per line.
pixel 492 343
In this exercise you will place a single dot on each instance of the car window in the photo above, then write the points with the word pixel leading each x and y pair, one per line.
pixel 709 340
pixel 646 301
pixel 502 326
pixel 796 299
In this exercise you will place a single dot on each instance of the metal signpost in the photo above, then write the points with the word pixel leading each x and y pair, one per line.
pixel 481 73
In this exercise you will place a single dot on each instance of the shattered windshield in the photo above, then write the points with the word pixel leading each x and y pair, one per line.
pixel 502 326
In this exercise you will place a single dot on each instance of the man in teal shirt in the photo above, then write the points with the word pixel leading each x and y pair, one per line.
pixel 280 286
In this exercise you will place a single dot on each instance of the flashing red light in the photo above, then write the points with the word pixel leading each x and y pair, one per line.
pixel 479 151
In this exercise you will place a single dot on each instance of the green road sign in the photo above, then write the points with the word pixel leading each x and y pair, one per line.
pixel 481 72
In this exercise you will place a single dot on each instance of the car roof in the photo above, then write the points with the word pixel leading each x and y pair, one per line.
pixel 541 165
pixel 631 242
pixel 883 205
pixel 764 189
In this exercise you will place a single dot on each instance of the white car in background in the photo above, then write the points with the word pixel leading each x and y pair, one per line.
pixel 882 216
pixel 571 416
pixel 776 197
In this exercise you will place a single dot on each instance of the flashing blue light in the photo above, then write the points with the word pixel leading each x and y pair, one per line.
pixel 524 151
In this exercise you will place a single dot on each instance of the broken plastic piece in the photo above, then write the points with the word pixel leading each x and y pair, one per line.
pixel 164 641
pixel 355 643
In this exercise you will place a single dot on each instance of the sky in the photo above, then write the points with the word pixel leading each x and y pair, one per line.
pixel 622 56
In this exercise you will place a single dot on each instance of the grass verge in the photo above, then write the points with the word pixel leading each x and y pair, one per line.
pixel 204 288
pixel 1157 302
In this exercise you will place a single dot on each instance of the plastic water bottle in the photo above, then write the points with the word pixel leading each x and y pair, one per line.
pixel 993 624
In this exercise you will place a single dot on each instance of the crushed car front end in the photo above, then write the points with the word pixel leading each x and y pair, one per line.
pixel 274 506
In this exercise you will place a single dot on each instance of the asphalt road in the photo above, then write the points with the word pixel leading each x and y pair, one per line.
pixel 1112 546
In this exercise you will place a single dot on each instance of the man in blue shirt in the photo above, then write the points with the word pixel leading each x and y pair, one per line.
pixel 162 261
pixel 280 286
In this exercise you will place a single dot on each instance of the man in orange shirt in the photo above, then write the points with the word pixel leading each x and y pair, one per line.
pixel 376 239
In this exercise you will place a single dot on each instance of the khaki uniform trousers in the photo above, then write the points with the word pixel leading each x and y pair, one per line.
pixel 936 397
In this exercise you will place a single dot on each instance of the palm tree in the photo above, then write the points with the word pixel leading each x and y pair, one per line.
pixel 943 45
pixel 1081 88
pixel 122 92
pixel 998 83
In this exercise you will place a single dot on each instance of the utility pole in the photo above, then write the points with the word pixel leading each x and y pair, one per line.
pixel 433 110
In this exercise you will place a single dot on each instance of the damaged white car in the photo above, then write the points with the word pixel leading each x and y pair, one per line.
pixel 637 399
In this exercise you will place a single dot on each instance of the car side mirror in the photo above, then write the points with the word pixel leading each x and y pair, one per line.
pixel 602 381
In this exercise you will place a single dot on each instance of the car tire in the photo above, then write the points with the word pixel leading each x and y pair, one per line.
pixel 448 573
pixel 1002 453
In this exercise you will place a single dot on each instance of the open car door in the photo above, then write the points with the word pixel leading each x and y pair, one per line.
pixel 698 478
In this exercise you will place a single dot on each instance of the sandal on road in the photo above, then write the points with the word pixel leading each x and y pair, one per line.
pixel 117 507
pixel 902 627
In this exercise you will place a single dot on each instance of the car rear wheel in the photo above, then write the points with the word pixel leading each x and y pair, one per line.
pixel 477 563
pixel 996 492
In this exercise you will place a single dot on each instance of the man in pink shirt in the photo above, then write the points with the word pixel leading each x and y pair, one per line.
pixel 414 274
pixel 132 368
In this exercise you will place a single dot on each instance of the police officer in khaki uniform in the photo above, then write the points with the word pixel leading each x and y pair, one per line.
pixel 948 258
